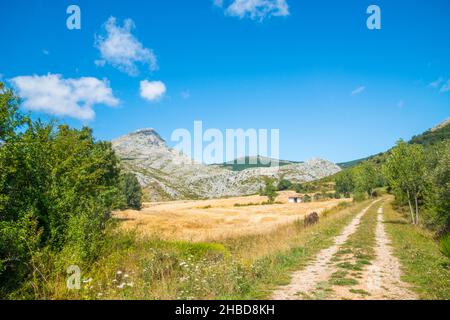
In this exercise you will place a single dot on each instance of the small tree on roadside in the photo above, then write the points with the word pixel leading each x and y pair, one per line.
pixel 405 172
pixel 345 183
pixel 367 178
pixel 437 192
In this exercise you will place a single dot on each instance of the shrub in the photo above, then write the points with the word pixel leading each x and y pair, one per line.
pixel 284 185
pixel 359 196
pixel 437 193
pixel 57 188
pixel 445 245
pixel 270 192
pixel 298 188
pixel 131 191
pixel 317 197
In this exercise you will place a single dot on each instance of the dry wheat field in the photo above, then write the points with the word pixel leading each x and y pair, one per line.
pixel 214 220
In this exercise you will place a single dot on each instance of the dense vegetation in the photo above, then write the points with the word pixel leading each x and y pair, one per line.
pixel 418 175
pixel 433 136
pixel 57 188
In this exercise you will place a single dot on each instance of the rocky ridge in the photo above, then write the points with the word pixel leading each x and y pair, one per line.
pixel 165 174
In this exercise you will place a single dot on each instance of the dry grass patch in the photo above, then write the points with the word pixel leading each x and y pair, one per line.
pixel 215 220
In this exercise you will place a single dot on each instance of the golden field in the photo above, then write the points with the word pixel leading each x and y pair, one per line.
pixel 218 219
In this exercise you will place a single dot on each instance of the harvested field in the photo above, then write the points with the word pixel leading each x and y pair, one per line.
pixel 208 220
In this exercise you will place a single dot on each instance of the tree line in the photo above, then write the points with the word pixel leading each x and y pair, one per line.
pixel 418 176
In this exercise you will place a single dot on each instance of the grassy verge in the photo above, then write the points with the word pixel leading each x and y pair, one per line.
pixel 424 266
pixel 248 267
pixel 290 249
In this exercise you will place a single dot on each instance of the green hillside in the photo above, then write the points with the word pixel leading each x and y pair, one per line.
pixel 352 163
pixel 252 162
pixel 430 137
pixel 435 135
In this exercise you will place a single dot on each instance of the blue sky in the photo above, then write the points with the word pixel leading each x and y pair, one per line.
pixel 294 70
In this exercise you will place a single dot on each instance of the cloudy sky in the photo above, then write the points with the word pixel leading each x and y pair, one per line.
pixel 310 68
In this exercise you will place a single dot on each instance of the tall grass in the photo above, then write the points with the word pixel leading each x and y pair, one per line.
pixel 424 265
pixel 132 267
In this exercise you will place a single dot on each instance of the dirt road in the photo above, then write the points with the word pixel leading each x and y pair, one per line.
pixel 337 273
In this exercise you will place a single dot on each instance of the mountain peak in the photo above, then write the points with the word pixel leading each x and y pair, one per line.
pixel 140 142
pixel 148 132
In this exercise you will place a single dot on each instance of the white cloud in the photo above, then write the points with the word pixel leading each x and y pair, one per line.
pixel 64 97
pixel 152 90
pixel 436 83
pixel 358 90
pixel 254 9
pixel 186 94
pixel 120 48
pixel 446 86
pixel 100 63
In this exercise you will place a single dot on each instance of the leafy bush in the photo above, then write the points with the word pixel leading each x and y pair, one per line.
pixel 284 185
pixel 131 191
pixel 359 196
pixel 445 245
pixel 270 192
pixel 57 187
pixel 307 198
pixel 298 188
pixel 437 192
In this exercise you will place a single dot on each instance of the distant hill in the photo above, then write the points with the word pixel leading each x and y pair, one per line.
pixel 432 136
pixel 166 174
pixel 437 134
pixel 352 163
pixel 252 162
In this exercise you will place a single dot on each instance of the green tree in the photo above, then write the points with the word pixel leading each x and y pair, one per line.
pixel 284 185
pixel 298 188
pixel 131 190
pixel 405 170
pixel 345 183
pixel 57 187
pixel 367 178
pixel 437 193
pixel 270 192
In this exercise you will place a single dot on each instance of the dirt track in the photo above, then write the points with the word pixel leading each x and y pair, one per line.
pixel 379 280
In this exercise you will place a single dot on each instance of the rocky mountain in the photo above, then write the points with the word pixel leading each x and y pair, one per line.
pixel 165 174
